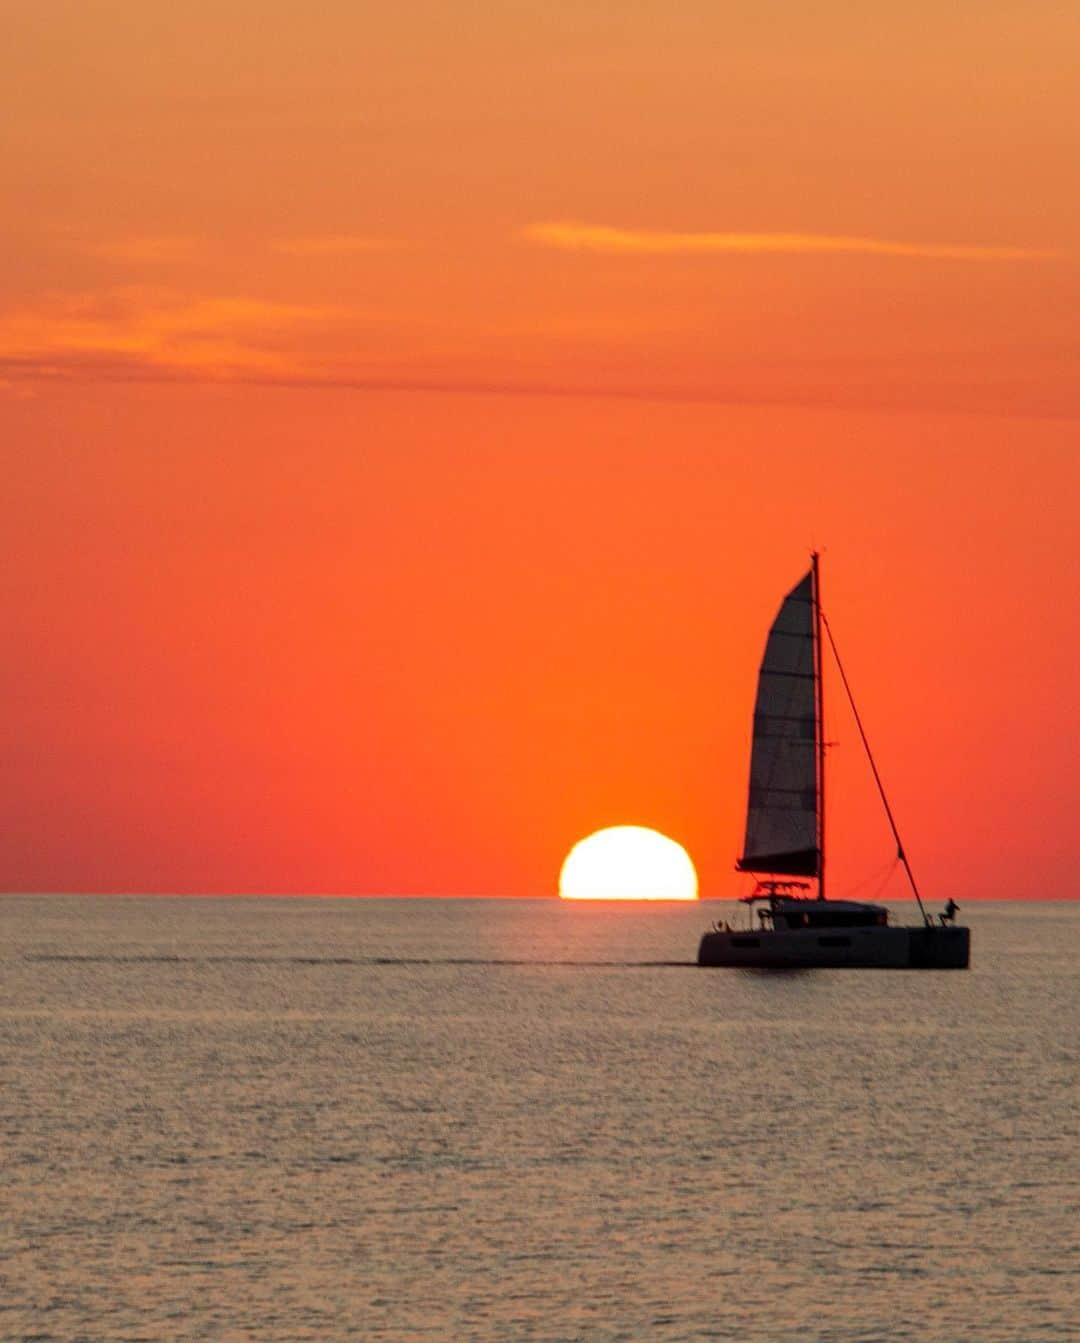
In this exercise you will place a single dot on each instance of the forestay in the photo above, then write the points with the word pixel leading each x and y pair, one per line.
pixel 781 820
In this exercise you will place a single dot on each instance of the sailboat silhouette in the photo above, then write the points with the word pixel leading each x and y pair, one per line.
pixel 784 847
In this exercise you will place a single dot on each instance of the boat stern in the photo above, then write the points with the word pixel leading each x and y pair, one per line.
pixel 939 948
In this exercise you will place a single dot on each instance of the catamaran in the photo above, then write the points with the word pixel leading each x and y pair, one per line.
pixel 796 925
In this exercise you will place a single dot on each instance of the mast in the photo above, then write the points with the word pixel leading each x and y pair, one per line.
pixel 819 708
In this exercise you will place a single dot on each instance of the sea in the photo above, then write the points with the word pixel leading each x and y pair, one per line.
pixel 268 1120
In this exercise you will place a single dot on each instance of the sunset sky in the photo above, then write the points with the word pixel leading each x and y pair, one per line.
pixel 412 415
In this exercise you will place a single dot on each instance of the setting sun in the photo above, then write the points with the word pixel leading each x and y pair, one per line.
pixel 628 862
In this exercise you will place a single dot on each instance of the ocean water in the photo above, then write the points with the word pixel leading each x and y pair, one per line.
pixel 309 1119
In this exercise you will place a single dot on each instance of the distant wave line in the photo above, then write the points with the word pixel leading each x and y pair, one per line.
pixel 342 960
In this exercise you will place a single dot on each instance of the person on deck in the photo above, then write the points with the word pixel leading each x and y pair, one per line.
pixel 951 909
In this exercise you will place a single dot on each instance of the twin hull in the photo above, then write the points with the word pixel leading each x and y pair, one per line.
pixel 873 948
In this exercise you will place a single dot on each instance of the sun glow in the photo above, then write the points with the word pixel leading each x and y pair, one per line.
pixel 628 862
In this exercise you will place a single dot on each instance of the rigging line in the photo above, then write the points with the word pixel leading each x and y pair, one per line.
pixel 880 876
pixel 877 777
pixel 885 880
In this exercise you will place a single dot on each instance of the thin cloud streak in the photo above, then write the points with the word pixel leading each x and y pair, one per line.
pixel 245 369
pixel 150 250
pixel 574 237
pixel 141 334
pixel 170 249
pixel 334 245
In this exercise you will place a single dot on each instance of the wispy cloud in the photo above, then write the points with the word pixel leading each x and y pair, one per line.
pixel 150 334
pixel 151 249
pixel 172 249
pixel 150 328
pixel 575 237
pixel 337 244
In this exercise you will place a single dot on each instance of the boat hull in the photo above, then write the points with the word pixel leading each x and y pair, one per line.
pixel 874 948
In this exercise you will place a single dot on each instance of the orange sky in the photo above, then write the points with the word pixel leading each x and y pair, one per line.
pixel 411 417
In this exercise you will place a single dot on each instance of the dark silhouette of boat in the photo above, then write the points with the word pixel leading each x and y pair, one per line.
pixel 796 926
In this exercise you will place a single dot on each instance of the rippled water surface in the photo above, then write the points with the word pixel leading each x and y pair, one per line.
pixel 350 1119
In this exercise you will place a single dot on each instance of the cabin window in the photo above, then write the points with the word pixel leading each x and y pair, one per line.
pixel 834 941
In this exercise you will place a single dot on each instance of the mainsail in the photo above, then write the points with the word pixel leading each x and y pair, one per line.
pixel 782 817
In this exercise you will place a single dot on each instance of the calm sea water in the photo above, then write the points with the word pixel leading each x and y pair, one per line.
pixel 352 1119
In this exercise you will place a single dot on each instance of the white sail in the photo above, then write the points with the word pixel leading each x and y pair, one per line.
pixel 781 820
